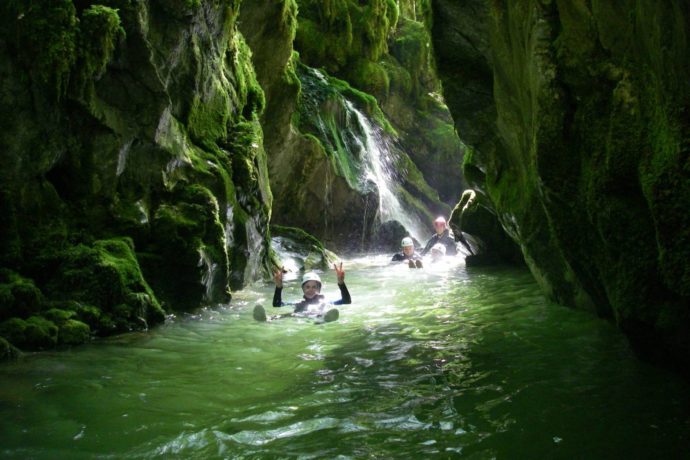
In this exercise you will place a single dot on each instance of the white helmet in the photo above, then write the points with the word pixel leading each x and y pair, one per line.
pixel 407 241
pixel 438 247
pixel 311 276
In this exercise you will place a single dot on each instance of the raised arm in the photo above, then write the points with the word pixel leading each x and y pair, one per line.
pixel 339 273
pixel 277 294
pixel 344 293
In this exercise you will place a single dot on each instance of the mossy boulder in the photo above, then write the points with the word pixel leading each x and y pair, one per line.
pixel 8 351
pixel 19 296
pixel 73 332
pixel 34 333
pixel 131 129
pixel 297 250
pixel 577 119
pixel 108 275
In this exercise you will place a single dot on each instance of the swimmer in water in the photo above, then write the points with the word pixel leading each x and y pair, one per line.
pixel 408 254
pixel 313 303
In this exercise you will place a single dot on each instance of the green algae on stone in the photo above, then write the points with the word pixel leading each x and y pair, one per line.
pixel 99 31
pixel 19 296
pixel 73 332
pixel 44 35
pixel 34 333
pixel 337 31
pixel 8 351
pixel 106 274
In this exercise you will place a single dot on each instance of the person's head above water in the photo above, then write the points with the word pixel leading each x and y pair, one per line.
pixel 311 284
pixel 407 245
pixel 437 251
pixel 440 224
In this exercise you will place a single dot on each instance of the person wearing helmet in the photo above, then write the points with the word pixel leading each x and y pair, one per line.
pixel 443 236
pixel 313 304
pixel 408 254
pixel 437 252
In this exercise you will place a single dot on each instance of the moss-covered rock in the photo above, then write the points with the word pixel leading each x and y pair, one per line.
pixel 107 274
pixel 576 116
pixel 128 120
pixel 19 296
pixel 475 219
pixel 8 351
pixel 73 332
pixel 298 250
pixel 34 333
pixel 338 32
pixel 400 75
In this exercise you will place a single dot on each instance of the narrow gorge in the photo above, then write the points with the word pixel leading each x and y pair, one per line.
pixel 151 149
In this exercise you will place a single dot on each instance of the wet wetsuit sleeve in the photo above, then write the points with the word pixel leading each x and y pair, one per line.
pixel 451 246
pixel 398 257
pixel 345 296
pixel 429 243
pixel 278 297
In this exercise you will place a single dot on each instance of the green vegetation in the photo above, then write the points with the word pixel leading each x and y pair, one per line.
pixel 338 32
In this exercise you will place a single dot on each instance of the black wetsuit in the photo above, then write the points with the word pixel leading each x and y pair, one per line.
pixel 304 304
pixel 446 238
pixel 401 257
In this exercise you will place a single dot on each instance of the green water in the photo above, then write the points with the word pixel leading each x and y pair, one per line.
pixel 463 363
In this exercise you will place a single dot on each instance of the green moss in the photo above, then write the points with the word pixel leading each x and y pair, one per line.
pixel 100 30
pixel 7 350
pixel 188 235
pixel 208 115
pixel 334 33
pixel 289 18
pixel 247 89
pixel 44 34
pixel 105 274
pixel 13 330
pixel 372 77
pixel 73 332
pixel 399 78
pixel 35 333
pixel 411 48
pixel 58 316
pixel 40 333
pixel 19 296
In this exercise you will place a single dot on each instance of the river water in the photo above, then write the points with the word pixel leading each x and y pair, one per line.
pixel 443 362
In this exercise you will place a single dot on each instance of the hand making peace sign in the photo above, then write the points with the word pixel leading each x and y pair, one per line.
pixel 339 273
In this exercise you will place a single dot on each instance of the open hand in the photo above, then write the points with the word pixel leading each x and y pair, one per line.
pixel 278 277
pixel 339 273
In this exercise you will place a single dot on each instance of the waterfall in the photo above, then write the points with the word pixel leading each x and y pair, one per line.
pixel 378 168
pixel 362 152
pixel 210 269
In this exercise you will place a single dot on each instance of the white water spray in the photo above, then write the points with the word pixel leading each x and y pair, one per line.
pixel 378 167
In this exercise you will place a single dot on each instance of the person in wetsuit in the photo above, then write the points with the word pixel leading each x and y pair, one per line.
pixel 313 303
pixel 443 235
pixel 408 254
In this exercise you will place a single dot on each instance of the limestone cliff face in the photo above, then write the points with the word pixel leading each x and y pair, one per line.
pixel 577 113
pixel 132 168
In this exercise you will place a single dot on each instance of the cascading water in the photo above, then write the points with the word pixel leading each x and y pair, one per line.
pixel 363 153
pixel 378 169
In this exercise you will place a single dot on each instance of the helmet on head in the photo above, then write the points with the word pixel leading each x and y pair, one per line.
pixel 438 247
pixel 311 276
pixel 440 220
pixel 407 241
